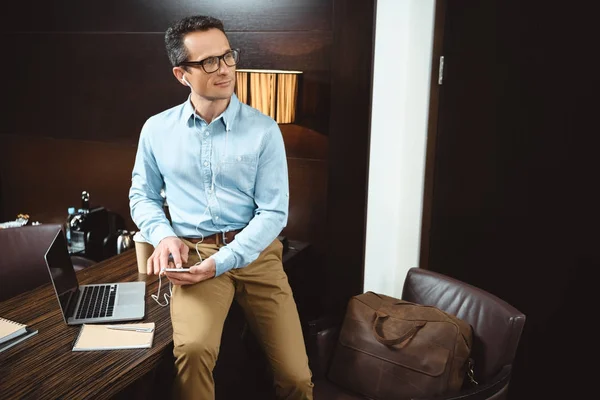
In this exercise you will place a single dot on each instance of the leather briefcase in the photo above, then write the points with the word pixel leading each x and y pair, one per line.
pixel 393 349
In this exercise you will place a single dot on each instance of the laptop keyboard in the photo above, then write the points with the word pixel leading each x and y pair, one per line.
pixel 97 302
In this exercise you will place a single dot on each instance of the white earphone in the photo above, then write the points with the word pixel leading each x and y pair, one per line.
pixel 186 81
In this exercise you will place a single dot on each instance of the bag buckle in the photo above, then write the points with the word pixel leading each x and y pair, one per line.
pixel 471 372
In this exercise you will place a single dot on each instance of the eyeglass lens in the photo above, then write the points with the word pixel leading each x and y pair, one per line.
pixel 212 64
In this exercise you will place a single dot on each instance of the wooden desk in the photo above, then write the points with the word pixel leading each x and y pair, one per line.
pixel 44 367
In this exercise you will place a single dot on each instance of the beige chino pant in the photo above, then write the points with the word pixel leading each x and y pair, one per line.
pixel 198 313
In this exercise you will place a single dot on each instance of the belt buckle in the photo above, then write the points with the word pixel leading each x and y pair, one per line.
pixel 224 238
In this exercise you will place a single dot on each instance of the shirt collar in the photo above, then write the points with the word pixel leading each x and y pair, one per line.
pixel 228 116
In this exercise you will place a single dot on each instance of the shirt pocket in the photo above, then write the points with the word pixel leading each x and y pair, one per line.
pixel 238 172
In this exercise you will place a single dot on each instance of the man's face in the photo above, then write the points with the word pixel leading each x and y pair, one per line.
pixel 218 85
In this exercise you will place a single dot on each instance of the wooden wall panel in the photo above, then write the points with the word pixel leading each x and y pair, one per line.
pixel 44 176
pixel 307 168
pixel 83 77
pixel 103 87
pixel 352 72
pixel 157 15
pixel 89 87
pixel 305 51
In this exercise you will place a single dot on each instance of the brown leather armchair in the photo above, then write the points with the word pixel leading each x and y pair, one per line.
pixel 497 328
pixel 22 264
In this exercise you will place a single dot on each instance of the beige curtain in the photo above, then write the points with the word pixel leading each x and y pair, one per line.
pixel 287 89
pixel 262 89
pixel 274 93
pixel 241 89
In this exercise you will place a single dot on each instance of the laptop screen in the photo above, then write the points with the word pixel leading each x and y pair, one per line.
pixel 61 271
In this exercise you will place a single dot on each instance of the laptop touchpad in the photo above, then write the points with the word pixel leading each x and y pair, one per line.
pixel 127 299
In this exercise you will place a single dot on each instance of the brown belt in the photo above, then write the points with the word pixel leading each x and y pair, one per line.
pixel 221 238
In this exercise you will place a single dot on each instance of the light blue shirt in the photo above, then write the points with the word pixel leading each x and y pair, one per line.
pixel 227 175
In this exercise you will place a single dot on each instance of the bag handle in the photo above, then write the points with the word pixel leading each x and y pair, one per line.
pixel 390 342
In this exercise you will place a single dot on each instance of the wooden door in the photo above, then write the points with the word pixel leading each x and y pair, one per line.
pixel 512 176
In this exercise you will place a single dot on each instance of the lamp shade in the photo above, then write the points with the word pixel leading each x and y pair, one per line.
pixel 273 92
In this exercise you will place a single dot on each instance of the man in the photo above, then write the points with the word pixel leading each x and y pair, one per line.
pixel 223 168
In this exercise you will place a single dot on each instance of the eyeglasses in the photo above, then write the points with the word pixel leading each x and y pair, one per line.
pixel 212 64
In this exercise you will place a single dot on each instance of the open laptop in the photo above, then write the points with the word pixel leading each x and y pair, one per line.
pixel 105 302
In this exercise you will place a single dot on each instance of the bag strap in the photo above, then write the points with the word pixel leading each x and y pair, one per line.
pixel 390 342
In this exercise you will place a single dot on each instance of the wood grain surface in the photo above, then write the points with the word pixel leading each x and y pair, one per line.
pixel 44 367
pixel 138 16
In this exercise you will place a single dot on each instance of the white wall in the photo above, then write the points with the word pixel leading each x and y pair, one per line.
pixel 403 48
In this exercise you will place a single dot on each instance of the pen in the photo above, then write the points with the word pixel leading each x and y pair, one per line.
pixel 129 328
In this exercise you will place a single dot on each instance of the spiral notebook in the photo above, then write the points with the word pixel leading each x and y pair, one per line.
pixel 114 337
pixel 12 332
pixel 10 329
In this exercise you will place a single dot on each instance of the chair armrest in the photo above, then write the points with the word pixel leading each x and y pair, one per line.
pixel 321 341
pixel 484 391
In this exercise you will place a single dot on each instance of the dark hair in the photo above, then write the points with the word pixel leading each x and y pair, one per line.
pixel 174 36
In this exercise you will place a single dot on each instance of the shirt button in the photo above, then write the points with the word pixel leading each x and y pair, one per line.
pixel 217 217
pixel 206 163
pixel 206 133
pixel 239 158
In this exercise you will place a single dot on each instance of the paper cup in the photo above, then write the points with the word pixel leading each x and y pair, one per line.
pixel 143 251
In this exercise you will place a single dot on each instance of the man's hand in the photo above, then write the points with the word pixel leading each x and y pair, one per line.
pixel 160 258
pixel 198 273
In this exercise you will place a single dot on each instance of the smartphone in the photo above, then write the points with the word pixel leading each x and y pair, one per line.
pixel 177 269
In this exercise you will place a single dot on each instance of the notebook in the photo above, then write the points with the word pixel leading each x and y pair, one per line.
pixel 17 339
pixel 10 329
pixel 12 332
pixel 103 302
pixel 102 337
